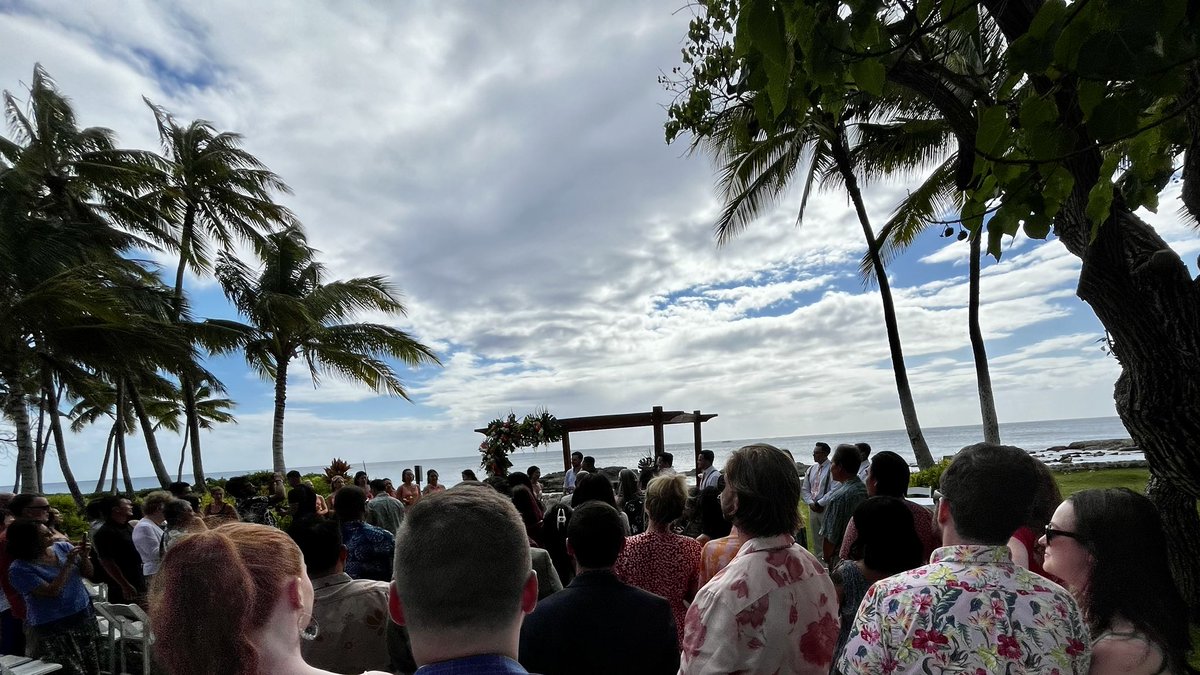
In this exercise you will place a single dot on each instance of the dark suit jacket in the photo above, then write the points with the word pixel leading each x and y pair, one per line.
pixel 634 630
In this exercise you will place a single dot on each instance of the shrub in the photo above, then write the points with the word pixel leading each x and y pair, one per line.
pixel 930 477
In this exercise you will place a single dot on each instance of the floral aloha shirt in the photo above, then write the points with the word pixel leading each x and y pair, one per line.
pixel 773 609
pixel 971 610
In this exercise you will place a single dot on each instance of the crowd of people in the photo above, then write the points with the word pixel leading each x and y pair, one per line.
pixel 495 576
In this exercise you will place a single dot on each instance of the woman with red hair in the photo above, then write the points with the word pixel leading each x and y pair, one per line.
pixel 233 600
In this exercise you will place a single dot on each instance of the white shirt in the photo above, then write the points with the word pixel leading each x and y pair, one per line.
pixel 709 478
pixel 147 535
pixel 862 470
pixel 816 482
pixel 569 481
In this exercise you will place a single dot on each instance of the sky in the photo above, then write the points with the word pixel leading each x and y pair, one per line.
pixel 504 164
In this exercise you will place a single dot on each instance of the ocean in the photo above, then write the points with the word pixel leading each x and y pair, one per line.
pixel 943 441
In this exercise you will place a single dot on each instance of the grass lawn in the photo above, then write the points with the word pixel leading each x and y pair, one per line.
pixel 1134 479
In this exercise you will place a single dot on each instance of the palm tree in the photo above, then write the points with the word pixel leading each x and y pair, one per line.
pixel 211 409
pixel 292 312
pixel 216 194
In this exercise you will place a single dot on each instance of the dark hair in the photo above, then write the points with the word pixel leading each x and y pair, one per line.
pixel 531 516
pixel 517 478
pixel 712 521
pixel 554 539
pixel 669 457
pixel 92 510
pixel 468 474
pixel 768 490
pixel 240 487
pixel 1046 498
pixel 706 454
pixel 377 485
pixel 22 501
pixel 499 484
pixel 864 450
pixel 174 509
pixel 577 454
pixel 821 445
pixel 359 474
pixel 351 503
pixel 847 457
pixel 320 542
pixel 989 489
pixel 1130 576
pixel 597 534
pixel 887 539
pixel 628 482
pixel 588 459
pixel 179 488
pixel 293 474
pixel 890 473
pixel 593 487
pixel 532 470
pixel 25 539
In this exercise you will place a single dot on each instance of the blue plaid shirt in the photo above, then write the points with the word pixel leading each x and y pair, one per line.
pixel 487 664
pixel 369 551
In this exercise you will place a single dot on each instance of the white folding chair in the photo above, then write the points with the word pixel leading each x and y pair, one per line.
pixel 920 491
pixel 126 624
pixel 11 664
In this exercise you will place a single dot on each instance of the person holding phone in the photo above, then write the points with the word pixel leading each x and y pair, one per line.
pixel 48 574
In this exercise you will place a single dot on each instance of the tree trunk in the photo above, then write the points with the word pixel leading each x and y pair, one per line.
pixel 116 456
pixel 277 428
pixel 60 444
pixel 17 480
pixel 160 469
pixel 122 390
pixel 983 377
pixel 1181 524
pixel 124 465
pixel 18 414
pixel 193 430
pixel 43 444
pixel 841 155
pixel 182 454
pixel 104 464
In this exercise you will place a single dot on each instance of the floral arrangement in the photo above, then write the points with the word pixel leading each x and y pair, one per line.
pixel 506 434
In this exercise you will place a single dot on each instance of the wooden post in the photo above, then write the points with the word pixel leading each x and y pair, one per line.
pixel 657 418
pixel 566 443
pixel 696 437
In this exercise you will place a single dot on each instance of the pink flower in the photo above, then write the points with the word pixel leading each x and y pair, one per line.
pixel 1074 647
pixel 1008 647
pixel 818 643
pixel 929 641
pixel 998 607
pixel 923 602
pixel 869 634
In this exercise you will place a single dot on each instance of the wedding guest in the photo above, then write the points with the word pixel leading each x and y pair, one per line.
pixel 1109 547
pixel 589 464
pixel 47 574
pixel 841 506
pixel 55 524
pixel 707 475
pixel 531 514
pixel 219 510
pixel 369 548
pixel 712 522
pixel 431 483
pixel 118 555
pixel 236 600
pixel 363 482
pixel 408 492
pixel 180 521
pixel 658 560
pixel 665 464
pixel 817 482
pixel 469 475
pixel 1023 543
pixel 572 473
pixel 864 451
pixel 383 510
pixel 336 483
pixel 30 506
pixel 535 478
pixel 631 501
pixel 718 553
pixel 554 538
pixel 252 506
pixel 773 607
pixel 322 505
pixel 595 487
pixel 148 532
pixel 888 477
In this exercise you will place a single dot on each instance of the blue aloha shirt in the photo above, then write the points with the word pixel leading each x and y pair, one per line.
pixel 971 610
pixel 369 551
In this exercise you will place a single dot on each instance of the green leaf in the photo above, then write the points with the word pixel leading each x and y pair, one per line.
pixel 1114 117
pixel 869 75
pixel 765 28
pixel 1048 19
pixel 1100 197
pixel 993 127
pixel 1038 111
pixel 1056 189
pixel 1037 226
pixel 1090 96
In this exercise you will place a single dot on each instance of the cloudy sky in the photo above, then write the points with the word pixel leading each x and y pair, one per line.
pixel 504 165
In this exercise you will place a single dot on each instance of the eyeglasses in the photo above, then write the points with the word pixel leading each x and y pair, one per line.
pixel 1051 533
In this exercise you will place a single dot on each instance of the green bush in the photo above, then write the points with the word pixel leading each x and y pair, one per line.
pixel 73 522
pixel 930 477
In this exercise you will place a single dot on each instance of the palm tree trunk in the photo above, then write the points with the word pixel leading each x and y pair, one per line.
pixel 182 454
pixel 277 428
pixel 104 464
pixel 116 452
pixel 43 443
pixel 122 389
pixel 199 484
pixel 60 445
pixel 18 414
pixel 983 377
pixel 160 469
pixel 185 381
pixel 841 155
pixel 124 465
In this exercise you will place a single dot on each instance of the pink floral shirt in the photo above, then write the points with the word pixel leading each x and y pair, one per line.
pixel 971 610
pixel 773 609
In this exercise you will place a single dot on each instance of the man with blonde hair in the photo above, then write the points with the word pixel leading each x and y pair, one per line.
pixel 148 533
pixel 773 608
pixel 463 582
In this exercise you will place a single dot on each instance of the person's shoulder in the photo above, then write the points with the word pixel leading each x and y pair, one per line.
pixel 1125 653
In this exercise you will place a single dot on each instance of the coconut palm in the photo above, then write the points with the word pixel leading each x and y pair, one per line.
pixel 292 312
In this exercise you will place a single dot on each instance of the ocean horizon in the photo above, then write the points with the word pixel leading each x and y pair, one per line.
pixel 943 441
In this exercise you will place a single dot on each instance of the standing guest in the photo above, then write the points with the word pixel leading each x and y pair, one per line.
pixel 554 540
pixel 1018 622
pixel 234 600
pixel 55 524
pixel 535 478
pixel 631 502
pixel 352 638
pixel 469 475
pixel 1108 546
pixel 531 514
pixel 253 507
pixel 179 489
pixel 817 482
pixel 431 483
pixel 635 627
pixel 888 477
pixel 773 607
pixel 409 493
pixel 658 560
pixel 712 522
pixel 369 548
pixel 322 505
pixel 59 611
pixel 864 451
pixel 180 522
pixel 718 553
pixel 13 632
pixel 595 487
pixel 336 483
pixel 589 464
pixel 389 488
pixel 573 472
pixel 852 493
pixel 665 464
pixel 706 473
pixel 118 555
pixel 147 534
pixel 219 510
pixel 382 510
pixel 886 544
pixel 543 564
pixel 302 500
pixel 463 597
pixel 363 482
pixel 1023 543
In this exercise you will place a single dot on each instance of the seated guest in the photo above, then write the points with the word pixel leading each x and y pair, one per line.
pixel 180 521
pixel 595 487
pixel 888 477
pixel 59 615
pixel 369 548
pixel 886 544
pixel 658 560
pixel 772 610
pixel 383 510
pixel 463 582
pixel 554 537
pixel 219 511
pixel 408 492
pixel 631 502
pixel 117 554
pixel 431 483
pixel 841 506
pixel 712 522
pixel 531 513
pixel 718 553
pixel 148 533
pixel 234 599
pixel 1109 547
pixel 1015 618
pixel 1023 543
pixel 351 638
pixel 635 627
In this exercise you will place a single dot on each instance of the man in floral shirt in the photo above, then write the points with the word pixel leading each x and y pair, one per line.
pixel 369 549
pixel 972 610
pixel 772 609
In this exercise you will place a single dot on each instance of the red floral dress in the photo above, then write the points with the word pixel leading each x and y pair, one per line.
pixel 665 564
pixel 773 609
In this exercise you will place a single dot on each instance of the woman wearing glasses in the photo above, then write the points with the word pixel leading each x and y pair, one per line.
pixel 1108 547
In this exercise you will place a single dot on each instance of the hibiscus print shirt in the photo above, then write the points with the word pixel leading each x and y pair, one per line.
pixel 773 609
pixel 971 610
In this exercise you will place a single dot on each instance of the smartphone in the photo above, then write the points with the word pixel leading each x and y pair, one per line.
pixel 84 542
